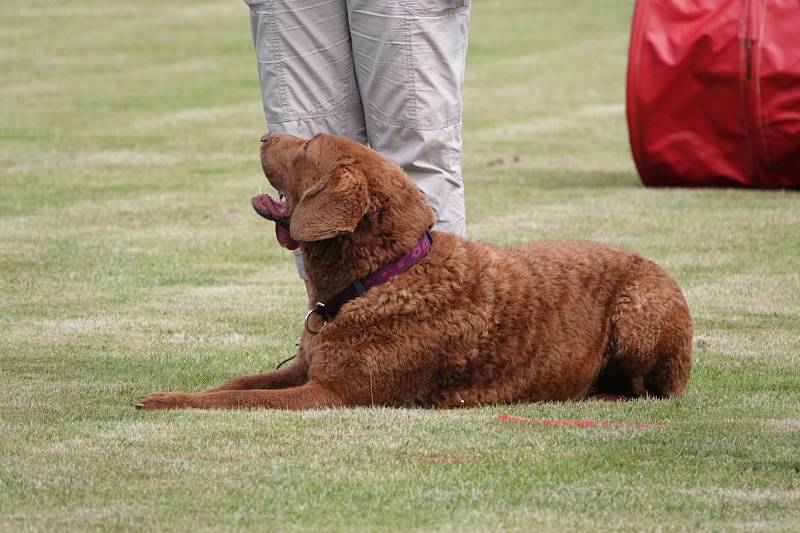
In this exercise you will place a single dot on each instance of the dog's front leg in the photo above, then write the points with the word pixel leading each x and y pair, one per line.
pixel 291 376
pixel 309 396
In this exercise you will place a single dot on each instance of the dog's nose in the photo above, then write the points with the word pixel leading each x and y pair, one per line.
pixel 265 137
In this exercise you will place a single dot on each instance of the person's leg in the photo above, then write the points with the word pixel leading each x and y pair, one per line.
pixel 409 60
pixel 305 66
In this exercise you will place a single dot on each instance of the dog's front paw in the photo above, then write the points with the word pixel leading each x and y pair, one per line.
pixel 167 400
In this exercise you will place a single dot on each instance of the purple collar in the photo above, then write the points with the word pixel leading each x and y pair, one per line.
pixel 360 286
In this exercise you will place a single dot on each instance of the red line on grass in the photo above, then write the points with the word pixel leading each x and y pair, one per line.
pixel 584 423
pixel 428 459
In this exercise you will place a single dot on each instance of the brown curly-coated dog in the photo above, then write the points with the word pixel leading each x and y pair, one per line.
pixel 468 324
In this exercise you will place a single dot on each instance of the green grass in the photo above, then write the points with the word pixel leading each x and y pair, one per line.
pixel 130 261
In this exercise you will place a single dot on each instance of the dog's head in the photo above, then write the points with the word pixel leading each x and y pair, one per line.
pixel 333 187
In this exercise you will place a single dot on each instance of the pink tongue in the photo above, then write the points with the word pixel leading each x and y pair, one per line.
pixel 284 238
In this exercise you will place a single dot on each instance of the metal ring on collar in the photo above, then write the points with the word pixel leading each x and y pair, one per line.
pixel 308 315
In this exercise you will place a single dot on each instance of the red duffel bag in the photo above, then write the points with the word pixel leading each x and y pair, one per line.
pixel 713 95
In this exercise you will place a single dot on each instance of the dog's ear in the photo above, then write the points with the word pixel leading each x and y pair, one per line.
pixel 331 207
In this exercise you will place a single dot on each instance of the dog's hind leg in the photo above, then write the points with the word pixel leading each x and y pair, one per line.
pixel 669 375
pixel 650 348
